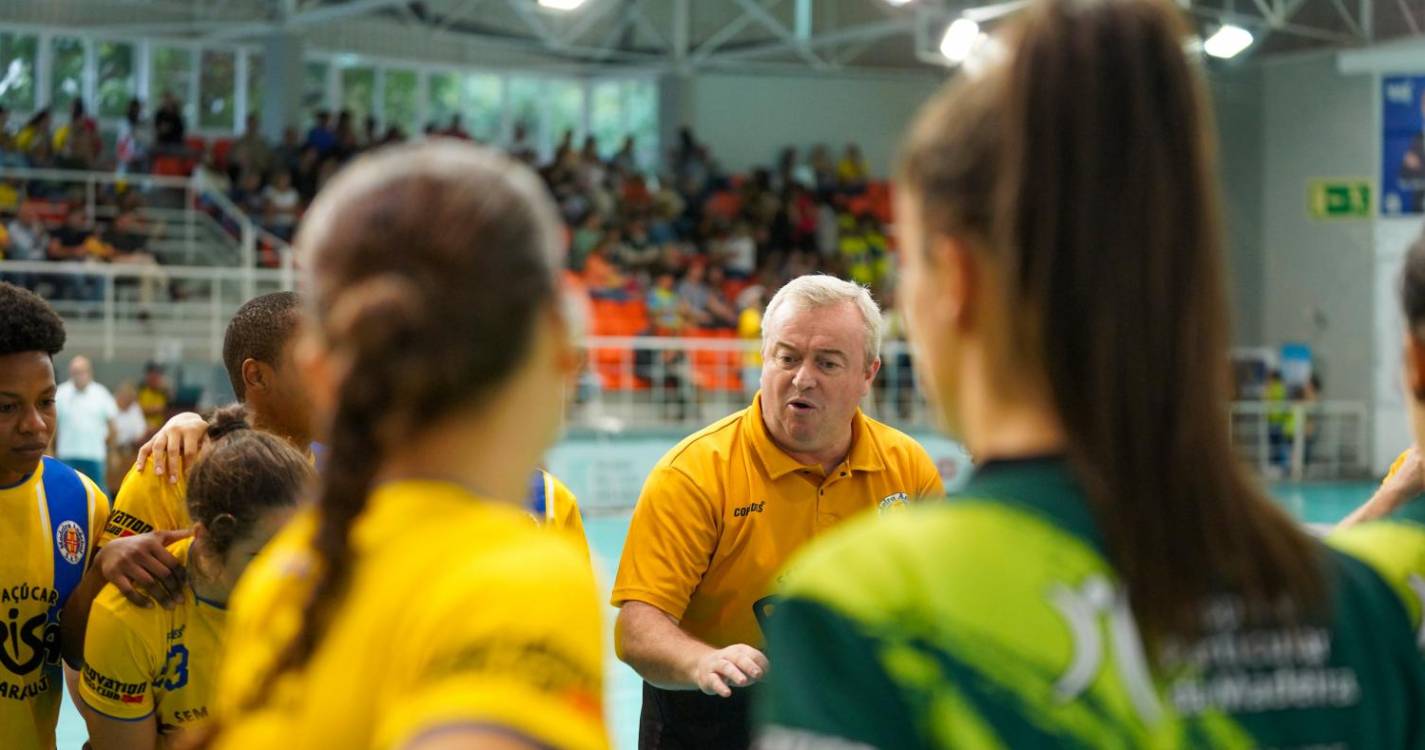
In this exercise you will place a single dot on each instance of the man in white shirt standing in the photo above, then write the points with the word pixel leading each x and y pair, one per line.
pixel 86 421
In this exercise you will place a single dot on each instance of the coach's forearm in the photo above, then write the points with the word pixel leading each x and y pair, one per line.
pixel 649 640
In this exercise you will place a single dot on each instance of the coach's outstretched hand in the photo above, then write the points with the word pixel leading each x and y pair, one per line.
pixel 175 446
pixel 738 665
pixel 142 568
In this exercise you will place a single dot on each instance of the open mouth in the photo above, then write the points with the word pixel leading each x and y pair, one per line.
pixel 801 405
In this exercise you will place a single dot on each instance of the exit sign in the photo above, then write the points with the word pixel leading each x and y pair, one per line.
pixel 1339 199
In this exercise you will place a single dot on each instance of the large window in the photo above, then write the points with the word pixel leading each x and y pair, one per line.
pixel 18 53
pixel 566 110
pixel 444 99
pixel 399 102
pixel 217 89
pixel 619 109
pixel 66 78
pixel 483 106
pixel 527 111
pixel 606 116
pixel 171 72
pixel 254 83
pixel 358 94
pixel 314 91
pixel 116 84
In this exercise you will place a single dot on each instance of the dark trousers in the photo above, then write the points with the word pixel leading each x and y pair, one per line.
pixel 690 720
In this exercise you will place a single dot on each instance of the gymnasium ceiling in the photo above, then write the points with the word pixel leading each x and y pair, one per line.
pixel 691 35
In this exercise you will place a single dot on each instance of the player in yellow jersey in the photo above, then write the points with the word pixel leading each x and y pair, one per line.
pixel 414 606
pixel 51 517
pixel 149 672
pixel 150 512
pixel 554 506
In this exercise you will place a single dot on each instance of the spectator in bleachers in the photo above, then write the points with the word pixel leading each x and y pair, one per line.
pixel 603 279
pixel 132 145
pixel 455 129
pixel 667 309
pixel 626 160
pixel 321 136
pixel 209 177
pixel 248 195
pixel 289 151
pixel 282 205
pixel 35 135
pixel 29 238
pixel 154 396
pixel 347 142
pixel 304 177
pixel 250 152
pixel 738 251
pixel 129 236
pixel 76 143
pixel 852 172
pixel 823 171
pixel 701 289
pixel 583 239
pixel 9 154
pixel 371 135
pixel 77 240
pixel 169 128
pixel 635 251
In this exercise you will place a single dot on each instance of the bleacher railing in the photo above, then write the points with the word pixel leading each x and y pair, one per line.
pixel 199 206
pixel 632 383
pixel 1302 440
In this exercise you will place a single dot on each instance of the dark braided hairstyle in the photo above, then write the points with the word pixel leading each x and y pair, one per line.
pixel 430 265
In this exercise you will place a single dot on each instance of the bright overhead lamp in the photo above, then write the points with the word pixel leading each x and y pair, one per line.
pixel 560 4
pixel 1229 41
pixel 898 2
pixel 960 40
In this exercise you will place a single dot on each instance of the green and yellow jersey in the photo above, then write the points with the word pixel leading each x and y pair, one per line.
pixel 142 661
pixel 50 521
pixel 1395 547
pixel 994 620
pixel 457 612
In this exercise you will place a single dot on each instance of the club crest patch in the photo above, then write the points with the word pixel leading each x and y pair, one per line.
pixel 69 538
pixel 892 503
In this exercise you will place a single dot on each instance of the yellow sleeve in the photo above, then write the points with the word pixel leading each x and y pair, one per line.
pixel 146 502
pixel 669 545
pixel 1394 467
pixel 120 662
pixel 1395 549
pixel 567 517
pixel 929 485
pixel 530 662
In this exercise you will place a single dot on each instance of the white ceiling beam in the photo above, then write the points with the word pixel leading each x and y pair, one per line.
pixel 589 18
pixel 642 21
pixel 725 34
pixel 770 22
pixel 802 26
pixel 682 30
pixel 316 16
pixel 875 30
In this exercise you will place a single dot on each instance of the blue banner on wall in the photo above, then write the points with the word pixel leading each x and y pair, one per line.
pixel 1402 188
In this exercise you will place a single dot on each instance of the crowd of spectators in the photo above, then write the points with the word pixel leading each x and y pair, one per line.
pixel 687 241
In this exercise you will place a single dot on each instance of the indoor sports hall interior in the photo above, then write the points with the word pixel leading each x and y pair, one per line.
pixel 700 153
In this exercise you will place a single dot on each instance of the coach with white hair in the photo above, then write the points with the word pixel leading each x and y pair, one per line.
pixel 727 507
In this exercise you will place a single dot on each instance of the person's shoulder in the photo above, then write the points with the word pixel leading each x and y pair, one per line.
pixel 893 561
pixel 717 439
pixel 895 443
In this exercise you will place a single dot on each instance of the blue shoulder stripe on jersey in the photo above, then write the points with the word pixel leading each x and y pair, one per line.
pixel 537 502
pixel 68 501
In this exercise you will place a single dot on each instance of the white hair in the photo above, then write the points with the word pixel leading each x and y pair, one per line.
pixel 814 291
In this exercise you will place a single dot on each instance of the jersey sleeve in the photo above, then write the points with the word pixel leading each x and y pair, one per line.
pixel 1395 465
pixel 929 484
pixel 119 665
pixel 670 543
pixel 146 502
pixel 567 517
pixel 1395 548
pixel 529 663
pixel 811 644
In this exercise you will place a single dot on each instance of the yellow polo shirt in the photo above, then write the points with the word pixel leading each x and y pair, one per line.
pixel 458 611
pixel 725 509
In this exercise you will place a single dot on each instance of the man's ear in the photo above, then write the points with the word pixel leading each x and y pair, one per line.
pixel 255 375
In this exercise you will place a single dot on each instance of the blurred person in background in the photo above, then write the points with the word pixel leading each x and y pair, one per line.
pixel 85 428
pixel 130 430
pixel 155 393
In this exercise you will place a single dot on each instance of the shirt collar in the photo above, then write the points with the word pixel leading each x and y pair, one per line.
pixel 865 454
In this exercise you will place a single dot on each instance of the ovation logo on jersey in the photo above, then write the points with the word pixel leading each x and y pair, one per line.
pixel 69 539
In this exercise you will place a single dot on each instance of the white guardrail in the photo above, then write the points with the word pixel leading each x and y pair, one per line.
pixel 196 200
pixel 629 383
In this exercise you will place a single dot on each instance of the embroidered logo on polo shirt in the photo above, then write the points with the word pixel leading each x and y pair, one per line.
pixel 891 503
pixel 747 510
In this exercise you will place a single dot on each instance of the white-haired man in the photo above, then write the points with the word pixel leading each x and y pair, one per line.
pixel 725 508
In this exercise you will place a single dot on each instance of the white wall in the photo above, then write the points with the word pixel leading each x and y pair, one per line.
pixel 748 119
pixel 1319 276
pixel 1237 98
